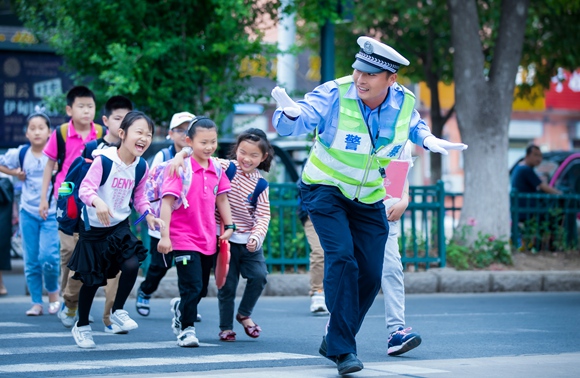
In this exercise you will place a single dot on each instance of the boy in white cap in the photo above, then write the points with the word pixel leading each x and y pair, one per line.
pixel 160 265
pixel 363 122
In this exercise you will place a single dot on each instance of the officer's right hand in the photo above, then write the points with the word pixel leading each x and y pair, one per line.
pixel 289 107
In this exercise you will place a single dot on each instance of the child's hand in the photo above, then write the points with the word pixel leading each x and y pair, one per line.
pixel 252 244
pixel 395 212
pixel 155 223
pixel 173 167
pixel 164 246
pixel 43 209
pixel 227 234
pixel 20 174
pixel 104 214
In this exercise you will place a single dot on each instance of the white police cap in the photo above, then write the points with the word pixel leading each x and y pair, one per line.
pixel 375 57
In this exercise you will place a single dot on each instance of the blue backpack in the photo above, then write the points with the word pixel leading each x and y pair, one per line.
pixel 69 205
pixel 261 185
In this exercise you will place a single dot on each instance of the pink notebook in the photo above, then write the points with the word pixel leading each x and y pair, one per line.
pixel 396 175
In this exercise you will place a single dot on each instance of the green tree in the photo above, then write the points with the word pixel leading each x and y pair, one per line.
pixel 167 56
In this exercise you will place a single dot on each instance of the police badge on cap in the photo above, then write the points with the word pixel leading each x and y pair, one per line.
pixel 375 57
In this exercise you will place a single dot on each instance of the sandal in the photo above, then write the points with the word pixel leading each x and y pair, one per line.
pixel 35 310
pixel 53 307
pixel 252 331
pixel 227 336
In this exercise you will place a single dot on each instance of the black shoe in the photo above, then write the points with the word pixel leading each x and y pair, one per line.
pixel 322 350
pixel 348 363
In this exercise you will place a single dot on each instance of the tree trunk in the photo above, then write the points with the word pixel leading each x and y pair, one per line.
pixel 483 107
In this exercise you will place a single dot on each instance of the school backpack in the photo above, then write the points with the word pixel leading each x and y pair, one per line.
pixel 154 184
pixel 168 153
pixel 261 185
pixel 61 136
pixel 69 206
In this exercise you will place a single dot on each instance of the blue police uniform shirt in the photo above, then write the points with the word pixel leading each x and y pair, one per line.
pixel 320 108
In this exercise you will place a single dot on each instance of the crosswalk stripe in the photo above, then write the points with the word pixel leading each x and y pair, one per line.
pixel 42 335
pixel 100 347
pixel 15 324
pixel 141 362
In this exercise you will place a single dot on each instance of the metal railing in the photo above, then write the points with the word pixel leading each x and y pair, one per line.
pixel 550 222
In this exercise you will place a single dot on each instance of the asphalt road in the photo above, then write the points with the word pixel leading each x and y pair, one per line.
pixel 475 335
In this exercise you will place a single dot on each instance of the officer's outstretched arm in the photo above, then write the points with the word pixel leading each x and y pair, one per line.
pixel 441 146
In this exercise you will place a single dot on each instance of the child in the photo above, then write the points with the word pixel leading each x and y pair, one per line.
pixel 401 339
pixel 160 264
pixel 192 228
pixel 109 245
pixel 251 152
pixel 80 130
pixel 40 246
pixel 116 108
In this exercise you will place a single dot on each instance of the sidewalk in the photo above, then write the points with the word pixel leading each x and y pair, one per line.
pixel 439 280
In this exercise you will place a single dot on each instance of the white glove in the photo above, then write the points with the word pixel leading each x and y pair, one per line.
pixel 289 107
pixel 442 146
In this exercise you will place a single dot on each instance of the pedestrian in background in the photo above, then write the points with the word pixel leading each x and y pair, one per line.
pixel 39 243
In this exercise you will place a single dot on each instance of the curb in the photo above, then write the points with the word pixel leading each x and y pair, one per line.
pixel 438 280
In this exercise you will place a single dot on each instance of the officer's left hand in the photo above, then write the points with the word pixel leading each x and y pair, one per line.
pixel 442 146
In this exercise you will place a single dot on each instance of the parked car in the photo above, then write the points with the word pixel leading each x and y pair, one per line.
pixel 560 169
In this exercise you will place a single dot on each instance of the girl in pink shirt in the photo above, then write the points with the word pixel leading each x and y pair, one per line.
pixel 192 227
pixel 109 245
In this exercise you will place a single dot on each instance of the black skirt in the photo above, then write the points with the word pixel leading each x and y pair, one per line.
pixel 101 251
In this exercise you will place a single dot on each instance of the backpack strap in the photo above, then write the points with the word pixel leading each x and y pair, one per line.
pixel 166 153
pixel 260 187
pixel 171 150
pixel 107 166
pixel 90 147
pixel 22 154
pixel 61 136
pixel 101 130
pixel 231 170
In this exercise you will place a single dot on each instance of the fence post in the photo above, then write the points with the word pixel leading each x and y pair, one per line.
pixel 441 223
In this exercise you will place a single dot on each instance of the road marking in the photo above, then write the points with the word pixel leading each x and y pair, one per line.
pixel 100 347
pixel 142 362
pixel 43 335
pixel 16 324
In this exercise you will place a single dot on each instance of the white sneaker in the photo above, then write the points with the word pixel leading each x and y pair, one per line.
pixel 175 322
pixel 67 316
pixel 318 304
pixel 187 338
pixel 113 328
pixel 83 336
pixel 121 318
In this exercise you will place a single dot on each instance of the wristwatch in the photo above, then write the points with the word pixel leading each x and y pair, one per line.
pixel 230 226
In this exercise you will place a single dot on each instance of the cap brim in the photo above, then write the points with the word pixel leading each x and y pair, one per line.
pixel 364 67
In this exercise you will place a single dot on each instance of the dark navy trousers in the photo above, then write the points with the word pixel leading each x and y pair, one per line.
pixel 353 236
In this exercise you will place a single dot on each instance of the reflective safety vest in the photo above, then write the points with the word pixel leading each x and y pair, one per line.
pixel 351 163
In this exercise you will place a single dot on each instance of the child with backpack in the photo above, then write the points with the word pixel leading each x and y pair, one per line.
pixel 188 203
pixel 106 244
pixel 65 144
pixel 251 214
pixel 160 264
pixel 116 108
pixel 40 246
pixel 250 208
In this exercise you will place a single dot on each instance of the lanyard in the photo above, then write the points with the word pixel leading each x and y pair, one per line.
pixel 375 139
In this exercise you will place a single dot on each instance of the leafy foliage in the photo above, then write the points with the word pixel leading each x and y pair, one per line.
pixel 167 56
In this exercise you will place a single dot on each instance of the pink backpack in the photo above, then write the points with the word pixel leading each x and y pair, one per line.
pixel 154 184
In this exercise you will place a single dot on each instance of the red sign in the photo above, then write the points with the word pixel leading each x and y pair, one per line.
pixel 564 92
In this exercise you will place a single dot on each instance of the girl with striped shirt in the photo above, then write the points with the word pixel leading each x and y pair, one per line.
pixel 250 153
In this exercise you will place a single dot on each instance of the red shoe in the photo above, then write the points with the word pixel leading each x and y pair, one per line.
pixel 252 331
pixel 227 336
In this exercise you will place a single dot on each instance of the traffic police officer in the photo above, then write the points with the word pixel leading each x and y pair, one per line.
pixel 362 121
